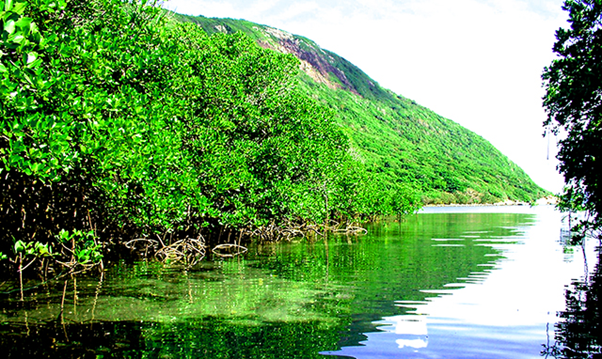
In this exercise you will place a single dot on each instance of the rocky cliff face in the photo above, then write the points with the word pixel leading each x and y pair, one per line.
pixel 315 62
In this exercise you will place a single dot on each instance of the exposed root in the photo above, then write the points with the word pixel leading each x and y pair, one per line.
pixel 287 231
pixel 191 251
pixel 228 250
pixel 351 230
pixel 188 250
pixel 143 245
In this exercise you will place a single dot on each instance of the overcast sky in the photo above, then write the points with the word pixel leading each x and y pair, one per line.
pixel 476 62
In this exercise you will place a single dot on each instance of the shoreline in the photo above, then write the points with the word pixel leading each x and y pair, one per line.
pixel 550 200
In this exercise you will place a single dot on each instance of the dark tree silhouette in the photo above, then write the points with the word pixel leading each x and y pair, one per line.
pixel 573 101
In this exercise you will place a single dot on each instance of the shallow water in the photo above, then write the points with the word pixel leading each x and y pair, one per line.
pixel 445 283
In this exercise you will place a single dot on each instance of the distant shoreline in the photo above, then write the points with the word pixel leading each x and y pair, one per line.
pixel 550 200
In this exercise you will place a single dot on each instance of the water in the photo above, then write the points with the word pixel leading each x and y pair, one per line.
pixel 446 283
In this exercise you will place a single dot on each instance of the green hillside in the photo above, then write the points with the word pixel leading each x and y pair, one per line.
pixel 405 142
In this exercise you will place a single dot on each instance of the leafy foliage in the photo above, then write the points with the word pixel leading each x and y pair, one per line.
pixel 573 101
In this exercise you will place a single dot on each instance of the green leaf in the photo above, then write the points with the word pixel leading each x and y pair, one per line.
pixel 33 60
pixel 24 22
pixel 19 246
pixel 31 57
pixel 19 8
pixel 17 39
pixel 10 26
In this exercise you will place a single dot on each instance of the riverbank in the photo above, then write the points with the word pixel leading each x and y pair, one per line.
pixel 544 201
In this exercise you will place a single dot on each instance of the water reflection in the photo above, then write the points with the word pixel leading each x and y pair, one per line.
pixel 454 285
pixel 501 310
pixel 578 333
pixel 394 334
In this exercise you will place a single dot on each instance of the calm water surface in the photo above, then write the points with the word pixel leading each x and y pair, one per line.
pixel 446 283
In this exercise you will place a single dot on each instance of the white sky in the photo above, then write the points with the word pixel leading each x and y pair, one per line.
pixel 476 62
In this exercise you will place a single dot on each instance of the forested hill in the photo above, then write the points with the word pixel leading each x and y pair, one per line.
pixel 408 143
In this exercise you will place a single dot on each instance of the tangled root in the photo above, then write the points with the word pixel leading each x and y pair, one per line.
pixel 351 230
pixel 229 250
pixel 287 231
pixel 189 251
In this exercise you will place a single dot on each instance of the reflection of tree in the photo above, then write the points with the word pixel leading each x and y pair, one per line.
pixel 578 334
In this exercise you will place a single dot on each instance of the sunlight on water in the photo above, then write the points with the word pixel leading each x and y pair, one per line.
pixel 504 312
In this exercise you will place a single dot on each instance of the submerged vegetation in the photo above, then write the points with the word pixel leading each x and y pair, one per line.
pixel 125 131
